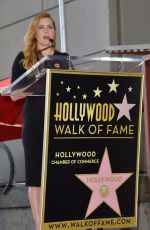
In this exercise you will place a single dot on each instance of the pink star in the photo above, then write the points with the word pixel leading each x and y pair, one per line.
pixel 104 185
pixel 124 108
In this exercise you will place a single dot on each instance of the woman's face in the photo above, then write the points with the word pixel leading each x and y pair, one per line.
pixel 45 31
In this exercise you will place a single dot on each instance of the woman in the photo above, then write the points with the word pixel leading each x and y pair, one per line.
pixel 39 42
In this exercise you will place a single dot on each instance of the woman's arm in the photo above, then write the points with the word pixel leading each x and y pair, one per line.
pixel 17 71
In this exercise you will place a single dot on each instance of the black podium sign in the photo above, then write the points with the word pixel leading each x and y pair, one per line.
pixel 91 150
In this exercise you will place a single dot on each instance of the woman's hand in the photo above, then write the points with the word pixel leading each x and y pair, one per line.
pixel 16 97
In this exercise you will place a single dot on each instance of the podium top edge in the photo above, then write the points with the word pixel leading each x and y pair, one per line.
pixel 100 57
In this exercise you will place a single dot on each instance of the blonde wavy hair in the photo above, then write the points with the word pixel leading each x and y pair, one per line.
pixel 30 49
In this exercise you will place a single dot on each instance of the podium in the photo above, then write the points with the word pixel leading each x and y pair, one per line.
pixel 91 143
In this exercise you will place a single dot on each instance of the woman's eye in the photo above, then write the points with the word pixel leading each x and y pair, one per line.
pixel 45 27
pixel 50 27
pixel 40 27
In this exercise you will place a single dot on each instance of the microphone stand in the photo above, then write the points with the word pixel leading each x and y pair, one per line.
pixel 52 45
pixel 45 48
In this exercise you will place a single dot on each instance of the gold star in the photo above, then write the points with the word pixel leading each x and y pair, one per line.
pixel 74 97
pixel 84 96
pixel 130 89
pixel 78 87
pixel 57 94
pixel 113 86
pixel 61 82
pixel 97 92
pixel 68 89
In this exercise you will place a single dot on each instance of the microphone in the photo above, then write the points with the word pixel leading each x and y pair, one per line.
pixel 52 41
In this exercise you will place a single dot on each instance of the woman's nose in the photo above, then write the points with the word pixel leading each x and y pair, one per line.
pixel 46 28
